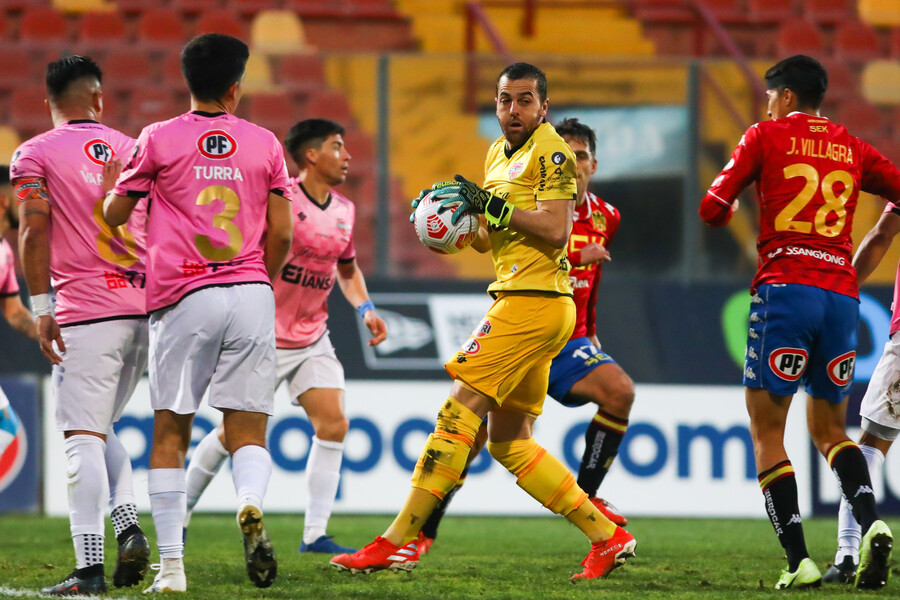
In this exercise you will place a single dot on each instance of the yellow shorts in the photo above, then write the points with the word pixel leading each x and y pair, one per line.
pixel 509 354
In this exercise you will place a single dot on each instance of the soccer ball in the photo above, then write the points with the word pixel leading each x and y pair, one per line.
pixel 436 231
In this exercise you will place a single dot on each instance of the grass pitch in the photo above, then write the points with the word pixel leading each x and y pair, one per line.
pixel 483 558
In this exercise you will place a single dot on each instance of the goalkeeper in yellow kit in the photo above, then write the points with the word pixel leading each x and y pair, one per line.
pixel 528 201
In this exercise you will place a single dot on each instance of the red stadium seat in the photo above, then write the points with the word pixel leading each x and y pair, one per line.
pixel 16 67
pixel 329 104
pixel 221 21
pixel 161 28
pixel 27 112
pixel 771 11
pixel 127 69
pixel 856 42
pixel 861 118
pixel 276 112
pixel 830 12
pixel 193 7
pixel 799 37
pixel 727 11
pixel 895 43
pixel 889 147
pixel 664 11
pixel 301 73
pixel 44 26
pixel 842 81
pixel 171 70
pixel 251 7
pixel 101 28
pixel 152 105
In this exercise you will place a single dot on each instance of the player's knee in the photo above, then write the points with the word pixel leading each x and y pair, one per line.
pixel 333 430
pixel 621 397
pixel 517 455
pixel 455 420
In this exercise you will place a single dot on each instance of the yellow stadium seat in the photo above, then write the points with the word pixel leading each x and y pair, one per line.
pixel 81 6
pixel 883 13
pixel 880 82
pixel 258 75
pixel 278 32
pixel 9 141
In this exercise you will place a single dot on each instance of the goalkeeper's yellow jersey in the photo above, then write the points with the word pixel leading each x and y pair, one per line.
pixel 543 168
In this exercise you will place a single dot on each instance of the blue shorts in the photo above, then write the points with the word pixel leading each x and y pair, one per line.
pixel 577 358
pixel 801 334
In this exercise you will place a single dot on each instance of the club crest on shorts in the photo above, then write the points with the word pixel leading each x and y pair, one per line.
pixel 217 145
pixel 840 369
pixel 99 151
pixel 483 328
pixel 788 363
pixel 471 346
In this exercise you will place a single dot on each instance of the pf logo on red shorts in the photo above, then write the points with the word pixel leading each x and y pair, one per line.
pixel 216 144
pixel 840 370
pixel 788 363
pixel 471 346
pixel 99 151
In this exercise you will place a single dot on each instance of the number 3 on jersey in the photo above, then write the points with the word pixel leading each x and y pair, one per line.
pixel 834 204
pixel 108 234
pixel 221 221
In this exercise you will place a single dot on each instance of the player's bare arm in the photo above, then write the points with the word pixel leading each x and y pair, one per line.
pixel 19 317
pixel 34 248
pixel 875 245
pixel 117 209
pixel 482 241
pixel 353 285
pixel 550 222
pixel 592 253
pixel 279 233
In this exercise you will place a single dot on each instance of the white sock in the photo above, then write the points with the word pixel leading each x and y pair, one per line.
pixel 207 459
pixel 118 470
pixel 88 492
pixel 167 505
pixel 323 474
pixel 251 467
pixel 849 532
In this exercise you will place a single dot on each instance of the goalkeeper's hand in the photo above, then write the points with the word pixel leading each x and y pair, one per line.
pixel 425 192
pixel 474 198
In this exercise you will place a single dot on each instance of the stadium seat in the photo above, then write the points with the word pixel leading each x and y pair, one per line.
pixel 880 82
pixel 220 21
pixel 771 11
pixel 274 111
pixel 258 75
pixel 27 112
pixel 362 148
pixel 152 105
pixel 664 11
pixel 895 43
pixel 799 37
pixel 861 118
pixel 161 28
pixel 329 104
pixel 830 12
pixel 252 7
pixel 277 32
pixel 842 81
pixel 43 26
pixel 727 11
pixel 889 147
pixel 9 141
pixel 856 42
pixel 301 72
pixel 16 67
pixel 127 69
pixel 171 70
pixel 82 6
pixel 101 28
pixel 880 13
pixel 193 7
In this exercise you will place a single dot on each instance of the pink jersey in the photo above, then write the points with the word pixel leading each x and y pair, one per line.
pixel 8 284
pixel 97 272
pixel 209 176
pixel 323 237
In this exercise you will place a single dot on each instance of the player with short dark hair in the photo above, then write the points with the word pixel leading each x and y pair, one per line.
pixel 220 229
pixel 804 309
pixel 96 334
pixel 528 202
pixel 322 254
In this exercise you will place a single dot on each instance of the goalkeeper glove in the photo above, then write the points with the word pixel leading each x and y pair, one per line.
pixel 474 198
pixel 425 192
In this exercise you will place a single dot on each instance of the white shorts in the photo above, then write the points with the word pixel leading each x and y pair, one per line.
pixel 102 365
pixel 4 401
pixel 315 366
pixel 881 404
pixel 221 338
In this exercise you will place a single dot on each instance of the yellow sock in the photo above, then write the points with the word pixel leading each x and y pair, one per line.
pixel 548 481
pixel 438 470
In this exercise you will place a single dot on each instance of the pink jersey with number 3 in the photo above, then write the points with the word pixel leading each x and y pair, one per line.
pixel 97 272
pixel 323 236
pixel 209 175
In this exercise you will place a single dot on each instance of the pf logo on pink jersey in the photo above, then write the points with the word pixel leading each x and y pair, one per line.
pixel 99 151
pixel 217 145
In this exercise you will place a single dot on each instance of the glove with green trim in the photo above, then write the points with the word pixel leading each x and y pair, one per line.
pixel 474 198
